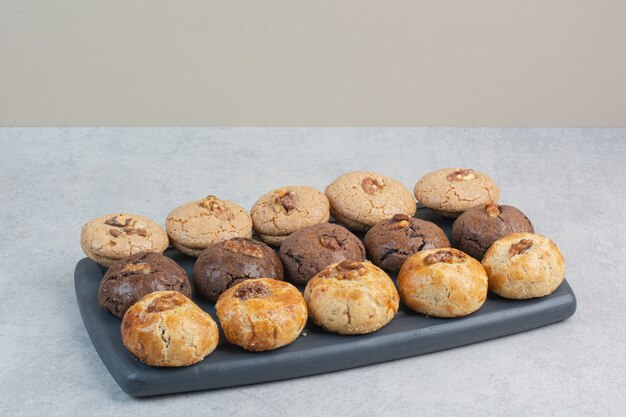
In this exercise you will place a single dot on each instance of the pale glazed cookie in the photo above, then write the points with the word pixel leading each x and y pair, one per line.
pixel 165 328
pixel 261 314
pixel 476 229
pixel 524 265
pixel 362 199
pixel 451 191
pixel 107 239
pixel 194 226
pixel 389 243
pixel 442 283
pixel 283 211
pixel 351 297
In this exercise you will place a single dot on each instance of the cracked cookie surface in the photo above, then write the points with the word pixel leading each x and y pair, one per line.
pixel 131 278
pixel 224 264
pixel 351 297
pixel 524 265
pixel 362 199
pixel 390 243
pixel 261 314
pixel 442 283
pixel 198 224
pixel 110 238
pixel 285 210
pixel 308 251
pixel 475 230
pixel 451 191
pixel 165 328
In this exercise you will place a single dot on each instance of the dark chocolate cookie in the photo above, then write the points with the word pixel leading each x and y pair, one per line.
pixel 476 229
pixel 129 279
pixel 389 243
pixel 222 265
pixel 309 250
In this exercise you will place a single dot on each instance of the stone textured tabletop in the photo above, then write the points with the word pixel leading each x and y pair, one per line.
pixel 570 182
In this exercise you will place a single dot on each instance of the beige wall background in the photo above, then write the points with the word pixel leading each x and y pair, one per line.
pixel 195 62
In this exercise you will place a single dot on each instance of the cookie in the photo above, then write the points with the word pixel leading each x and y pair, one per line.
pixel 194 226
pixel 165 328
pixel 108 239
pixel 351 297
pixel 261 314
pixel 524 265
pixel 475 230
pixel 362 199
pixel 389 243
pixel 309 250
pixel 442 283
pixel 451 191
pixel 128 280
pixel 224 264
pixel 281 212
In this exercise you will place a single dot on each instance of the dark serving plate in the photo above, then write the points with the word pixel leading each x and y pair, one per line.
pixel 315 351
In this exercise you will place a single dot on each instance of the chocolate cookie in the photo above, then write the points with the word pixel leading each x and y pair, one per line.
pixel 224 264
pixel 476 229
pixel 130 279
pixel 388 244
pixel 451 191
pixel 309 250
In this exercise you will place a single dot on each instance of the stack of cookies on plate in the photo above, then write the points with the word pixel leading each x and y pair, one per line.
pixel 341 268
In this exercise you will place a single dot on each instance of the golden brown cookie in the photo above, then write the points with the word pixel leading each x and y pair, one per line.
pixel 442 283
pixel 285 210
pixel 351 297
pixel 194 226
pixel 108 239
pixel 165 328
pixel 261 314
pixel 362 199
pixel 524 265
pixel 451 191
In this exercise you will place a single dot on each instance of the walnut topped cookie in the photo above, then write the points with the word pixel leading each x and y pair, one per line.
pixel 285 210
pixel 194 226
pixel 442 283
pixel 261 314
pixel 524 265
pixel 362 199
pixel 451 191
pixel 110 238
pixel 351 297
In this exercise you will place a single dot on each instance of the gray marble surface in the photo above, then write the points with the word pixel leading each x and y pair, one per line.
pixel 570 182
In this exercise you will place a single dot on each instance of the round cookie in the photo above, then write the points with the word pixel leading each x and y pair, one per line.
pixel 108 239
pixel 283 211
pixel 451 191
pixel 128 280
pixel 389 243
pixel 442 283
pixel 524 265
pixel 194 226
pixel 309 250
pixel 261 314
pixel 351 297
pixel 165 328
pixel 224 264
pixel 475 230
pixel 362 199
